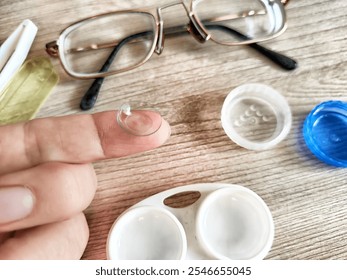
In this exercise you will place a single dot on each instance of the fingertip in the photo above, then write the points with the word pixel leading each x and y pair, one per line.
pixel 117 142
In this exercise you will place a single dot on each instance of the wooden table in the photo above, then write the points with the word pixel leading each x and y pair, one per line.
pixel 307 198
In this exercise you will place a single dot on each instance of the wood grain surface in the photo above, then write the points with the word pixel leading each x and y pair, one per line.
pixel 307 198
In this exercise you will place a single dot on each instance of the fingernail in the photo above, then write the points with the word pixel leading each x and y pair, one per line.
pixel 168 130
pixel 15 203
pixel 169 134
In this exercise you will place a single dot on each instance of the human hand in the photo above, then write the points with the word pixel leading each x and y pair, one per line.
pixel 47 180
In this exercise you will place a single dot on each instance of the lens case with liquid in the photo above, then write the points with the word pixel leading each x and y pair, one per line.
pixel 225 222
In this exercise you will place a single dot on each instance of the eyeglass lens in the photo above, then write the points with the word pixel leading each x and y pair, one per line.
pixel 128 37
pixel 235 21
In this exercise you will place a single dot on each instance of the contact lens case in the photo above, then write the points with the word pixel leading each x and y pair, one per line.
pixel 225 222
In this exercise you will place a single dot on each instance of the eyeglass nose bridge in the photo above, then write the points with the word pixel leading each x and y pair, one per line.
pixel 193 27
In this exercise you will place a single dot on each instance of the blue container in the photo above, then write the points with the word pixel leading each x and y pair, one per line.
pixel 325 132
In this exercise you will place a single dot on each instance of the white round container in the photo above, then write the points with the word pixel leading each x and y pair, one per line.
pixel 256 116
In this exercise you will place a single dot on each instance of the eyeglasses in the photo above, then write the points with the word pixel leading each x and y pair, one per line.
pixel 115 42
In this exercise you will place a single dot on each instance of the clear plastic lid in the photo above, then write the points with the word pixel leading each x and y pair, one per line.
pixel 325 132
pixel 256 116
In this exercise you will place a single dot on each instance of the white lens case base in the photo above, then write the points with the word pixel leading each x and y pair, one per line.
pixel 226 222
pixel 147 233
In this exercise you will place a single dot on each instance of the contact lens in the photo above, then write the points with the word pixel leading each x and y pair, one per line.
pixel 139 119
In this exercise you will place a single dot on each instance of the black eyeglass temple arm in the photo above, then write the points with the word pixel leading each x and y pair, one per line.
pixel 89 99
pixel 281 60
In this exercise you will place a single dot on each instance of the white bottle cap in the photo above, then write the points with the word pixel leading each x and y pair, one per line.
pixel 256 116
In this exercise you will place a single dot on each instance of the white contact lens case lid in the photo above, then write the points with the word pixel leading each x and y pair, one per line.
pixel 256 116
pixel 226 222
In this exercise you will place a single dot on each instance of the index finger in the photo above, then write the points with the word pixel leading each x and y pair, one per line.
pixel 72 139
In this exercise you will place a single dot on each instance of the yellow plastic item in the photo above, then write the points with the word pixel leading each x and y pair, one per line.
pixel 26 92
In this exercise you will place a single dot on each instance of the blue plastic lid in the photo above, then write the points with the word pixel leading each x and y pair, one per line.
pixel 325 132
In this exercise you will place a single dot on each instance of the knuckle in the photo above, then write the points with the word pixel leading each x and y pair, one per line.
pixel 75 185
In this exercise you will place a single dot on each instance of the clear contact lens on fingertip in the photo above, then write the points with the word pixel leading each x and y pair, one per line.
pixel 138 118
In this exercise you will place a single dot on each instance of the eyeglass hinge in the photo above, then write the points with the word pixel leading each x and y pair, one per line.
pixel 195 30
pixel 52 48
pixel 160 42
pixel 284 2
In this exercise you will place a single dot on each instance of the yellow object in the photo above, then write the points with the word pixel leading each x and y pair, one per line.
pixel 28 89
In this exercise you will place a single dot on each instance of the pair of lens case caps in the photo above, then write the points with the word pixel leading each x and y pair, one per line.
pixel 257 117
pixel 226 222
